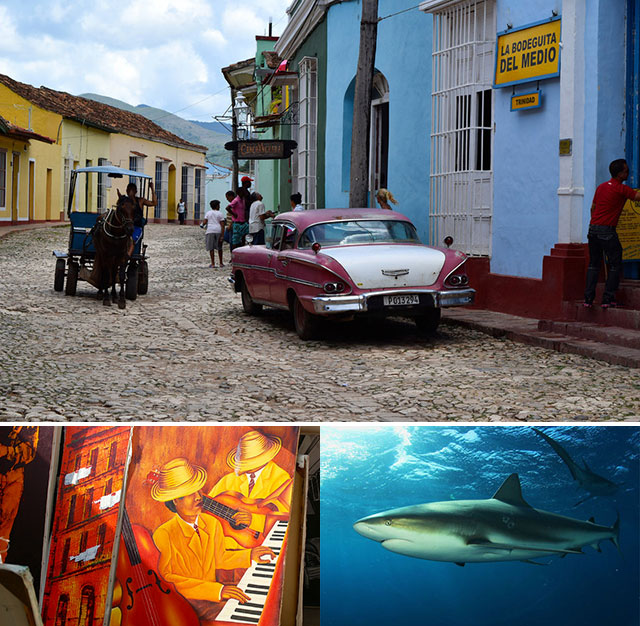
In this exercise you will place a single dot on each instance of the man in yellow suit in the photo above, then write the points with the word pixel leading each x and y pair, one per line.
pixel 192 545
pixel 258 478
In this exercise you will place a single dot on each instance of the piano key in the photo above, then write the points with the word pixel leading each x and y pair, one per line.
pixel 251 582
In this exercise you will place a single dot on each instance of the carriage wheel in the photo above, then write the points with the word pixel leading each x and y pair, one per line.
pixel 143 278
pixel 72 279
pixel 58 277
pixel 131 287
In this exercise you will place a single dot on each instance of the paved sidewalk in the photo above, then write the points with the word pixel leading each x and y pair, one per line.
pixel 16 228
pixel 546 334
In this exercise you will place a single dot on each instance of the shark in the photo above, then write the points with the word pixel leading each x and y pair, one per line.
pixel 595 484
pixel 502 528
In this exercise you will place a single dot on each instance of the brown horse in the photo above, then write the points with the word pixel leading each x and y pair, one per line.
pixel 111 237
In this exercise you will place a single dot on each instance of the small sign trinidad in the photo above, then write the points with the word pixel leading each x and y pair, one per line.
pixel 528 53
pixel 523 101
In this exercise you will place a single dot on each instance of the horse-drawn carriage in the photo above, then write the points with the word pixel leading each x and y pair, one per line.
pixel 78 262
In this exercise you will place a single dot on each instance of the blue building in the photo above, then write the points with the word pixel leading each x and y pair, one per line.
pixel 492 121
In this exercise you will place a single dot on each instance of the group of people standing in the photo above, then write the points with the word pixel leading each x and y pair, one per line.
pixel 246 215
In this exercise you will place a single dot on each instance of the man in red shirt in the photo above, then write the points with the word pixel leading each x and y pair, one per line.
pixel 608 201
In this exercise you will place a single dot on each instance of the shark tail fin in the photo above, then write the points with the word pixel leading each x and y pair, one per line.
pixel 616 533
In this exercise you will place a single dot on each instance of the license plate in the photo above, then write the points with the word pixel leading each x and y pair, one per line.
pixel 403 300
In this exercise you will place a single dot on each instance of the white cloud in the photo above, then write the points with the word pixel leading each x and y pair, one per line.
pixel 164 53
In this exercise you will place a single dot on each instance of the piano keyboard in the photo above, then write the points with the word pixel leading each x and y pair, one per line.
pixel 255 582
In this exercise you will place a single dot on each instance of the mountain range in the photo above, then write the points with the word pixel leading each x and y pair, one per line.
pixel 211 134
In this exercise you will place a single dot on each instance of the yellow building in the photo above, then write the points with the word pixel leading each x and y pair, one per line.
pixel 28 164
pixel 88 133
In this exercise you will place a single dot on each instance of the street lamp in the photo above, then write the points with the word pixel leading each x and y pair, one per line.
pixel 242 111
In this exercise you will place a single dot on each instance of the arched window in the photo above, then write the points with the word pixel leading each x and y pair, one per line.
pixel 61 611
pixel 87 606
pixel 379 158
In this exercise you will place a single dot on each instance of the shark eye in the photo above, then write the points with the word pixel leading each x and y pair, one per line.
pixel 387 522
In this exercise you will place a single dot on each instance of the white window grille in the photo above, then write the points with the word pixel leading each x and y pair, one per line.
pixel 197 198
pixel 136 164
pixel 188 186
pixel 68 166
pixel 103 185
pixel 161 189
pixel 203 192
pixel 307 132
pixel 462 126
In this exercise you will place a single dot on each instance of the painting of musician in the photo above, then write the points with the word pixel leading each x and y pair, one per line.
pixel 216 502
pixel 256 477
pixel 192 545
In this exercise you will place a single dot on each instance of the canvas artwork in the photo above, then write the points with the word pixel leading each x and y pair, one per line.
pixel 84 528
pixel 25 464
pixel 205 526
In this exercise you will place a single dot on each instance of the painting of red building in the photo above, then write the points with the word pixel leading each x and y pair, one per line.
pixel 85 518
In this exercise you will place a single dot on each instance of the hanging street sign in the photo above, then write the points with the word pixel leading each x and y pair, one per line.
pixel 256 149
pixel 528 53
pixel 523 101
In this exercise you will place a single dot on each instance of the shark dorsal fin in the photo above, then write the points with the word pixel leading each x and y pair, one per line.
pixel 511 492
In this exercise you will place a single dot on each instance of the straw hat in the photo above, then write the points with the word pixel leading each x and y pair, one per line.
pixel 253 451
pixel 178 478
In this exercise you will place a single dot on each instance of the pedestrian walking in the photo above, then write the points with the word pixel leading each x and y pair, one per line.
pixel 182 211
pixel 215 223
pixel 257 215
pixel 607 205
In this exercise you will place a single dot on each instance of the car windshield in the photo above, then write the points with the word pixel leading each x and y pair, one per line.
pixel 353 232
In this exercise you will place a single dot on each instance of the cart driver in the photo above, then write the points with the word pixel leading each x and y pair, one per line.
pixel 138 212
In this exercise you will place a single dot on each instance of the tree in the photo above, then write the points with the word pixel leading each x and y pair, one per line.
pixel 359 182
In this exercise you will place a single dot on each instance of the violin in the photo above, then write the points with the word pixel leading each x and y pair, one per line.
pixel 141 595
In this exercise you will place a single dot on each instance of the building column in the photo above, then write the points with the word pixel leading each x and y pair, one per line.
pixel 572 103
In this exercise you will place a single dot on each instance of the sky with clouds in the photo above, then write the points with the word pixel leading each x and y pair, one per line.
pixel 164 53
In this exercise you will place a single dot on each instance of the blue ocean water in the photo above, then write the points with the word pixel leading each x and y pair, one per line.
pixel 375 468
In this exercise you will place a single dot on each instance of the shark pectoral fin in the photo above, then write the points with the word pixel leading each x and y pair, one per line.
pixel 485 543
pixel 461 564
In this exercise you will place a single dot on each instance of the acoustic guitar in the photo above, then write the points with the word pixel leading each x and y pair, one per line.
pixel 225 505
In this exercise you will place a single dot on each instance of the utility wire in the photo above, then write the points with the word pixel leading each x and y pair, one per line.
pixel 386 17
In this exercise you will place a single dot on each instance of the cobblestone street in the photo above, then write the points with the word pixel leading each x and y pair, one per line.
pixel 186 351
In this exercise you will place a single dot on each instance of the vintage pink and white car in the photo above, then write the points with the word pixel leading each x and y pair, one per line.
pixel 342 263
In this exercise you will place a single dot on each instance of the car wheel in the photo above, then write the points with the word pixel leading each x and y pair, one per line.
pixel 248 305
pixel 72 279
pixel 306 324
pixel 58 278
pixel 428 322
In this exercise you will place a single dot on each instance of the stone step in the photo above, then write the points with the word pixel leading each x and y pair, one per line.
pixel 528 331
pixel 622 317
pixel 594 332
pixel 628 294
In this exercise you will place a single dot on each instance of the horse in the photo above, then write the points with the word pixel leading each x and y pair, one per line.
pixel 111 237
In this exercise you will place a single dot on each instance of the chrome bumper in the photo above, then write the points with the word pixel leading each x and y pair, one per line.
pixel 359 304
